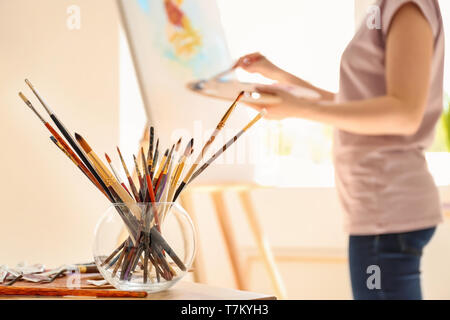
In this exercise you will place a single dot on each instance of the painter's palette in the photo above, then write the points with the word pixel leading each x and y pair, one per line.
pixel 229 89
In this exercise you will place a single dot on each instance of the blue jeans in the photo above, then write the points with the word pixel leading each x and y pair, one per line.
pixel 387 266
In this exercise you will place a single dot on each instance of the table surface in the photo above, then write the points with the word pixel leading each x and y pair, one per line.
pixel 181 291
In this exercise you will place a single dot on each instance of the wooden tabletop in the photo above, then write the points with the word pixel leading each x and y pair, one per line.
pixel 181 291
pixel 197 291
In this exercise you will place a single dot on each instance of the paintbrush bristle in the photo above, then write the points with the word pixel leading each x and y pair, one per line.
pixel 24 98
pixel 227 114
pixel 30 105
pixel 83 143
pixel 189 148
pixel 177 146
pixel 107 158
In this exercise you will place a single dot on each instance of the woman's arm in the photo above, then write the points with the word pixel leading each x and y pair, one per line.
pixel 409 50
pixel 256 62
pixel 286 77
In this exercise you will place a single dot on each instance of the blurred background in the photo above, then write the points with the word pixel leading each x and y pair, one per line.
pixel 49 210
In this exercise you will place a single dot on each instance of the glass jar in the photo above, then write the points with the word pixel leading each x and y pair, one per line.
pixel 144 246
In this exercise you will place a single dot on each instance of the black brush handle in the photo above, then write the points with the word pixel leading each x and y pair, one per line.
pixel 158 238
pixel 80 153
pixel 177 193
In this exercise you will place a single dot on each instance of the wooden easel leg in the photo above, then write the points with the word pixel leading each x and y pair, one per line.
pixel 230 244
pixel 263 245
pixel 199 265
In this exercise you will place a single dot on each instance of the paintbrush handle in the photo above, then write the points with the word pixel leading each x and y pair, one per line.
pixel 215 155
pixel 156 236
pixel 34 291
pixel 227 145
pixel 111 181
pixel 151 194
pixel 80 154
pixel 223 73
pixel 133 188
pixel 72 156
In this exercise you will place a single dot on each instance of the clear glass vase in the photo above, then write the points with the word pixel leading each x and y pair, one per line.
pixel 144 246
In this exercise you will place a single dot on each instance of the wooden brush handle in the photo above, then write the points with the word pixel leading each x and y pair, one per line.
pixel 83 158
pixel 32 291
pixel 74 156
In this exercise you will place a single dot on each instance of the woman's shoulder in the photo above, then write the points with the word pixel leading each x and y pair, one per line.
pixel 429 8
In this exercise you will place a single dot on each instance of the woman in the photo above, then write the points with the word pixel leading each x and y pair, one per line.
pixel 389 100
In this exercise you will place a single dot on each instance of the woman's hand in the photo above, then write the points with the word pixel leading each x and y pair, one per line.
pixel 256 62
pixel 289 106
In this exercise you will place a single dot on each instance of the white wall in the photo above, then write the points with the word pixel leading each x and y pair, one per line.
pixel 49 209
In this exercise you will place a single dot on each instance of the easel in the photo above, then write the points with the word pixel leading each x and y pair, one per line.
pixel 217 192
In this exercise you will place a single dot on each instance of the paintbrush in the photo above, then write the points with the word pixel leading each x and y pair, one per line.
pixel 161 167
pixel 148 179
pixel 164 169
pixel 151 194
pixel 144 165
pixel 179 168
pixel 61 147
pixel 104 172
pixel 173 165
pixel 140 179
pixel 64 145
pixel 227 145
pixel 37 291
pixel 159 240
pixel 116 174
pixel 177 145
pixel 150 149
pixel 130 180
pixel 246 61
pixel 172 160
pixel 113 254
pixel 208 143
pixel 110 181
pixel 155 159
pixel 119 262
pixel 68 136
pixel 162 181
pixel 144 175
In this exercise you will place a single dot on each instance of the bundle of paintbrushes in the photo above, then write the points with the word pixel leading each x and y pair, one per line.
pixel 160 180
